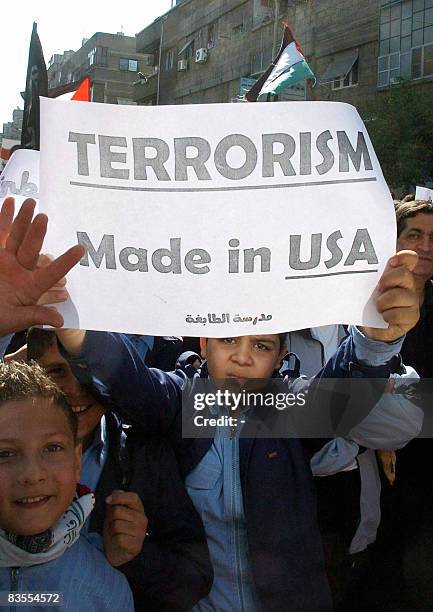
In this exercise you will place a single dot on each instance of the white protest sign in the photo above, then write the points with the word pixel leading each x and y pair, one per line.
pixel 215 220
pixel 423 193
pixel 20 177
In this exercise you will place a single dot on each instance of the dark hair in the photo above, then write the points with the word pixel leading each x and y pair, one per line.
pixel 20 380
pixel 38 342
pixel 410 208
pixel 282 338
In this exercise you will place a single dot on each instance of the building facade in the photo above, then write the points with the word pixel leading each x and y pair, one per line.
pixel 12 129
pixel 10 136
pixel 213 51
pixel 111 62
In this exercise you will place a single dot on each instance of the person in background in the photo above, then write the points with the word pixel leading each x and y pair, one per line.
pixel 404 551
pixel 348 494
pixel 189 362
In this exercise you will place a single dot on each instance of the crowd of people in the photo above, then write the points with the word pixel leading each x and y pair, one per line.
pixel 103 500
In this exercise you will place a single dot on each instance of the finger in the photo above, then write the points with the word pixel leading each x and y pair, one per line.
pixel 47 277
pixel 397 298
pixel 20 226
pixel 27 316
pixel 405 258
pixel 28 251
pixel 401 318
pixel 53 296
pixel 6 218
pixel 123 513
pixel 43 261
pixel 125 498
pixel 396 277
pixel 124 528
pixel 402 259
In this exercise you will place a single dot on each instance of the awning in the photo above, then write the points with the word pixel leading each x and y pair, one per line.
pixel 185 47
pixel 340 67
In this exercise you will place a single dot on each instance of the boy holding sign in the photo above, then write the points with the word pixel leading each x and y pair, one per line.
pixel 256 496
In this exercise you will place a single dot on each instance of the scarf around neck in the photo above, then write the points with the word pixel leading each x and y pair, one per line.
pixel 24 551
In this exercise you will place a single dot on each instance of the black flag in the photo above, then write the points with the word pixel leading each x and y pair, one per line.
pixel 36 85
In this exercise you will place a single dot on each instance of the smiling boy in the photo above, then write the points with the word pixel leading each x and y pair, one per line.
pixel 42 510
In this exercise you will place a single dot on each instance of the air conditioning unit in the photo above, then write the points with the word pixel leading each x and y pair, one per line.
pixel 182 65
pixel 201 56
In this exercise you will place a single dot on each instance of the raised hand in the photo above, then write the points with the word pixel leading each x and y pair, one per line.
pixel 22 283
pixel 396 300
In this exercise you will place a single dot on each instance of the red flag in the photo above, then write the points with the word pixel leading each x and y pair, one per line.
pixel 83 92
pixel 78 90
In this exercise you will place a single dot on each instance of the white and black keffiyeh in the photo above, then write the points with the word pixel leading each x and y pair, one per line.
pixel 24 551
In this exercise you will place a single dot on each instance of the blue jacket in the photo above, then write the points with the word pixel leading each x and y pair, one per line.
pixel 81 574
pixel 279 497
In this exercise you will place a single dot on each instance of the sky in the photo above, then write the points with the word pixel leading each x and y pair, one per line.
pixel 61 26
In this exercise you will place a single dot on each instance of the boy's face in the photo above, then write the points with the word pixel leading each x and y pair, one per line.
pixel 87 409
pixel 39 465
pixel 242 357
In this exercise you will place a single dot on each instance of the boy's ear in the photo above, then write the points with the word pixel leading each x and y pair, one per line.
pixel 203 347
pixel 78 458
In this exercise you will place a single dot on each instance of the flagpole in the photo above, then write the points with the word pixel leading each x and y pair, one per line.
pixel 274 42
pixel 310 88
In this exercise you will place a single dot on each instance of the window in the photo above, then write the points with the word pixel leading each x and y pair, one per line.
pixel 148 59
pixel 128 64
pixel 97 56
pixel 349 80
pixel 422 62
pixel 260 61
pixel 91 57
pixel 238 29
pixel 406 42
pixel 388 70
pixel 212 35
pixel 190 50
pixel 169 60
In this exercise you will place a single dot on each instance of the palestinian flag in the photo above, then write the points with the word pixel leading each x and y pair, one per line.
pixel 79 90
pixel 288 68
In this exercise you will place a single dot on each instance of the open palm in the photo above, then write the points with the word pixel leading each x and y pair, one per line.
pixel 22 283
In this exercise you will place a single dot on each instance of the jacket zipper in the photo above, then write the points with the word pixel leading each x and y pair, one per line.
pixel 235 465
pixel 14 582
pixel 14 578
